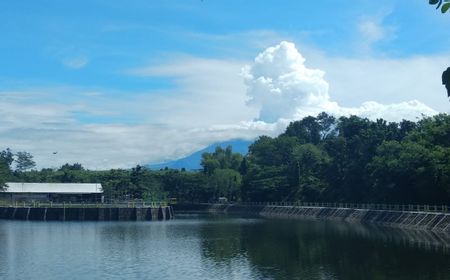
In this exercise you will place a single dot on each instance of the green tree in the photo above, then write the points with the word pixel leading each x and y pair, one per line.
pixel 266 183
pixel 209 163
pixel 146 184
pixel 307 130
pixel 74 167
pixel 226 183
pixel 189 187
pixel 24 161
pixel 222 168
pixel 350 159
pixel 222 159
pixel 115 183
pixel 5 174
pixel 312 163
pixel 409 172
pixel 7 156
pixel 6 159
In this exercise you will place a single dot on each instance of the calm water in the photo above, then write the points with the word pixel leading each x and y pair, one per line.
pixel 206 247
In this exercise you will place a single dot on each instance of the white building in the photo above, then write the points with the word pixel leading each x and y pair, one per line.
pixel 56 192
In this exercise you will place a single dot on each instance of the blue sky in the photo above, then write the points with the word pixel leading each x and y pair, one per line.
pixel 126 67
pixel 38 36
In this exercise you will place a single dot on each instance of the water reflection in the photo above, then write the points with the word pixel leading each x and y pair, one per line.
pixel 218 247
pixel 329 250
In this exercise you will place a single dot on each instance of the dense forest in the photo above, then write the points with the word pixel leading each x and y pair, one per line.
pixel 316 159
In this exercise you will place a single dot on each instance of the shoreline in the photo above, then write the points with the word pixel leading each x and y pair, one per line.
pixel 418 220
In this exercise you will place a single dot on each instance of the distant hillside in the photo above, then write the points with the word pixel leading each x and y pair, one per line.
pixel 192 162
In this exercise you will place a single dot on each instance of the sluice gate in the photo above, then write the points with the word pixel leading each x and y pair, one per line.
pixel 87 213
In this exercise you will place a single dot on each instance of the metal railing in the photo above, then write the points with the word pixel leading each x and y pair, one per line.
pixel 38 204
pixel 368 206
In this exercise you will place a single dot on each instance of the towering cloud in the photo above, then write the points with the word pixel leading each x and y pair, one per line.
pixel 208 103
pixel 282 87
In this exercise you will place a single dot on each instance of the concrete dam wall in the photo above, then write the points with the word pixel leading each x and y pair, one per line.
pixel 434 221
pixel 87 214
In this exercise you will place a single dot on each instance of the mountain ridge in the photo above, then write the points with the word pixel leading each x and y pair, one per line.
pixel 192 162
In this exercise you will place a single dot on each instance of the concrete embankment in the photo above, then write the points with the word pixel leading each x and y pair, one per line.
pixel 87 214
pixel 435 221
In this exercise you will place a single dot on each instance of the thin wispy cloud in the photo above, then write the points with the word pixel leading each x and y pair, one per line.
pixel 169 81
pixel 373 30
pixel 207 92
pixel 212 100
pixel 77 62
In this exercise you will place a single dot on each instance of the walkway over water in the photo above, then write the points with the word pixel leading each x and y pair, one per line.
pixel 393 216
pixel 87 212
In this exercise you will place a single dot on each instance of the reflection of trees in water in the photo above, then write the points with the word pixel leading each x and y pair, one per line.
pixel 222 239
pixel 438 241
pixel 295 251
pixel 320 250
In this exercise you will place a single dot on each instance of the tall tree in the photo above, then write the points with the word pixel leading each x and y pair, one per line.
pixel 6 159
pixel 226 183
pixel 7 156
pixel 5 173
pixel 24 161
pixel 73 167
pixel 220 159
pixel 311 162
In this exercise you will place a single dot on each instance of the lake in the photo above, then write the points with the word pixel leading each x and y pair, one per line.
pixel 218 247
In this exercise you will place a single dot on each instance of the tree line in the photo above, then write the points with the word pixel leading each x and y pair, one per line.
pixel 352 159
pixel 316 159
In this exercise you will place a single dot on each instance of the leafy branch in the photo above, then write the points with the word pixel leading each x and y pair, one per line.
pixel 443 4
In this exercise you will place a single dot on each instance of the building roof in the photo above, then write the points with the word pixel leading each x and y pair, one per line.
pixel 69 188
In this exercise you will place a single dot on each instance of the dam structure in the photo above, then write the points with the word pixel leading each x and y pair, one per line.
pixel 74 202
pixel 86 212
pixel 419 217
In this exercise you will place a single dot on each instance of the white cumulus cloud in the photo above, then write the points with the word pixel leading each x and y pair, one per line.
pixel 212 100
pixel 283 87
pixel 279 83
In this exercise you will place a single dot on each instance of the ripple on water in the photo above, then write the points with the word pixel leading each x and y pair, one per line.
pixel 216 247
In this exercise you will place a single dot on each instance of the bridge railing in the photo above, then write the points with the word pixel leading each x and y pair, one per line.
pixel 368 206
pixel 37 204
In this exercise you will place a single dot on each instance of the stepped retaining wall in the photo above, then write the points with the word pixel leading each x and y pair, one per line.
pixel 87 214
pixel 435 221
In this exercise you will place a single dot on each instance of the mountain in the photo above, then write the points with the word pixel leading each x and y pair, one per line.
pixel 192 162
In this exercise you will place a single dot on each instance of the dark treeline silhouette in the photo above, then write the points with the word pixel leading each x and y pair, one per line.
pixel 320 159
pixel 352 159
pixel 446 80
